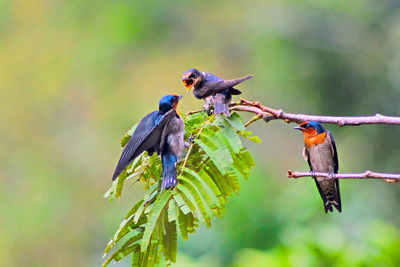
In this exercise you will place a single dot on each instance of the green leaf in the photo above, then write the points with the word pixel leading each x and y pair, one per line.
pixel 192 192
pixel 247 134
pixel 236 122
pixel 205 191
pixel 158 207
pixel 170 242
pixel 210 172
pixel 182 224
pixel 220 155
pixel 172 216
pixel 181 204
pixel 203 177
pixel 127 136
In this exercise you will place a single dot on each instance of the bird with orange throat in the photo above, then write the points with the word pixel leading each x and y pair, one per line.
pixel 321 154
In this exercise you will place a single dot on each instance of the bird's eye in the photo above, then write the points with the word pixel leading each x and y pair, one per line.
pixel 191 75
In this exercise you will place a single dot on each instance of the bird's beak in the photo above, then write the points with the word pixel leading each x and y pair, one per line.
pixel 298 128
pixel 188 83
pixel 180 97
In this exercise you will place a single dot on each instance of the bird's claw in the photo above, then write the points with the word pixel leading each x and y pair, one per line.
pixel 331 175
pixel 312 173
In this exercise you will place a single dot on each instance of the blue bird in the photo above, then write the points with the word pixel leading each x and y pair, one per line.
pixel 321 154
pixel 160 131
pixel 214 90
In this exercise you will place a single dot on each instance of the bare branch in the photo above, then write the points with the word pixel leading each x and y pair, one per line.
pixel 268 114
pixel 195 111
pixel 388 177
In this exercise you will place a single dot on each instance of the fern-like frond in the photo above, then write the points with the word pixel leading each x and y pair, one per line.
pixel 209 173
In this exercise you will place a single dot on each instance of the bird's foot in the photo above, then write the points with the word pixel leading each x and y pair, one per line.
pixel 312 173
pixel 331 175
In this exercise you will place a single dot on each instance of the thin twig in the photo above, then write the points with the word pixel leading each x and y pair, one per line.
pixel 195 111
pixel 388 177
pixel 254 119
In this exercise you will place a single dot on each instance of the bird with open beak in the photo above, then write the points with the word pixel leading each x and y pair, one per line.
pixel 215 91
pixel 160 131
pixel 321 154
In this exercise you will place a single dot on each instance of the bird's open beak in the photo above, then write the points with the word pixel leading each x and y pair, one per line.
pixel 188 83
pixel 298 128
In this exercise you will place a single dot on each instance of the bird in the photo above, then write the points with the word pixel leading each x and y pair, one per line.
pixel 321 154
pixel 161 131
pixel 214 90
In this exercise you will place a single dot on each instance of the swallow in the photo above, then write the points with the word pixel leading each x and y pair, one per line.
pixel 321 154
pixel 214 90
pixel 162 132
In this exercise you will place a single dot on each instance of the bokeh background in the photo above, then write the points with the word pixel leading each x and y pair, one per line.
pixel 76 75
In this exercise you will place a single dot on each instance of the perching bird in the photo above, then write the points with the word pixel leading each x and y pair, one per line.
pixel 320 153
pixel 214 90
pixel 162 132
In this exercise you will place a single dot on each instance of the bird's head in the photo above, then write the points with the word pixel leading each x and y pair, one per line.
pixel 169 102
pixel 191 78
pixel 310 128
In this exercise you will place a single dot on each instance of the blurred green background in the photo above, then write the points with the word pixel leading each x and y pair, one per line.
pixel 76 75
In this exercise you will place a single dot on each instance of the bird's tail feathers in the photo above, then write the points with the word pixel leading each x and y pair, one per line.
pixel 169 179
pixel 330 203
pixel 330 194
pixel 241 79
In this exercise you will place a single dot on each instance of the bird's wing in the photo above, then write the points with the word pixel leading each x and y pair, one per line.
pixel 336 168
pixel 305 156
pixel 334 152
pixel 213 87
pixel 146 136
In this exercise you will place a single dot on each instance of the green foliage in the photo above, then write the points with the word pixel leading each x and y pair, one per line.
pixel 208 174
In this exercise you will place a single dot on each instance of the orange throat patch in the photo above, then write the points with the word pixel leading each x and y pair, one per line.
pixel 312 138
pixel 175 105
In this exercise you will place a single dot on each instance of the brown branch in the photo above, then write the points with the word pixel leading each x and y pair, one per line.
pixel 268 114
pixel 195 111
pixel 388 177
